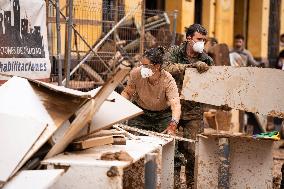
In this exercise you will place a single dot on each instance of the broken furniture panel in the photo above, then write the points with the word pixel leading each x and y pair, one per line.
pixel 115 174
pixel 23 119
pixel 54 99
pixel 243 88
pixel 18 134
pixel 109 113
pixel 250 162
pixel 87 112
pixel 39 179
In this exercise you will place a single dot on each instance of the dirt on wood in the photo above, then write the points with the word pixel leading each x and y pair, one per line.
pixel 120 156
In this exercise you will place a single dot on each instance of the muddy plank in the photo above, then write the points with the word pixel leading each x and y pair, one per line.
pixel 257 90
pixel 91 142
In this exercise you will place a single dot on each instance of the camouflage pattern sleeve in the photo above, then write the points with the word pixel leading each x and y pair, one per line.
pixel 207 59
pixel 172 63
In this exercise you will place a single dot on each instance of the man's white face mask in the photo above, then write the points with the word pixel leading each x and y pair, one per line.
pixel 146 72
pixel 198 46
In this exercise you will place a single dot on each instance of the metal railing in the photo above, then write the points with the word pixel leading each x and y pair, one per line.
pixel 91 23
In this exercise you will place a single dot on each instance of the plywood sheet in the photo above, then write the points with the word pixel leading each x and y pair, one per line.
pixel 59 104
pixel 87 112
pixel 39 179
pixel 111 113
pixel 115 109
pixel 23 118
pixel 18 134
pixel 257 90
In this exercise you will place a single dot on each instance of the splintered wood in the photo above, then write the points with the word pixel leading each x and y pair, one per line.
pixel 257 90
pixel 87 112
pixel 151 133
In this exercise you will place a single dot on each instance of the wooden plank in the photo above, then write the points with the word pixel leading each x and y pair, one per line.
pixel 18 134
pixel 39 179
pixel 91 142
pixel 87 112
pixel 100 134
pixel 235 120
pixel 23 118
pixel 119 140
pixel 92 73
pixel 74 84
pixel 55 99
pixel 111 113
pixel 257 90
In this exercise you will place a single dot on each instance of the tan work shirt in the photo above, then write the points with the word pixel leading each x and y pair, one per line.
pixel 153 97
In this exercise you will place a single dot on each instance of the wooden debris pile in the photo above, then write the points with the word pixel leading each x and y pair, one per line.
pixel 40 120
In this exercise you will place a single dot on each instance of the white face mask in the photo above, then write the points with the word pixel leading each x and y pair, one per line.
pixel 198 46
pixel 146 72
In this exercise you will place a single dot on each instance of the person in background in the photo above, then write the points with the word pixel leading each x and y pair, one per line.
pixel 246 56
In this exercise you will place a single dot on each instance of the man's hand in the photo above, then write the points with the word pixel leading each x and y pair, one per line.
pixel 171 129
pixel 201 66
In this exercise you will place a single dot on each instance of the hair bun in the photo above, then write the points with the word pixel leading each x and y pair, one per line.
pixel 161 49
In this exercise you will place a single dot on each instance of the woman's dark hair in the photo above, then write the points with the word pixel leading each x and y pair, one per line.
pixel 155 55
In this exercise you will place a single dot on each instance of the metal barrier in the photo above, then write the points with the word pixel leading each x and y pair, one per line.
pixel 91 22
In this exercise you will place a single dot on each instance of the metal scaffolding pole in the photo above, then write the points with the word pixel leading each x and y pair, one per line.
pixel 68 43
pixel 174 27
pixel 95 49
pixel 59 62
pixel 142 30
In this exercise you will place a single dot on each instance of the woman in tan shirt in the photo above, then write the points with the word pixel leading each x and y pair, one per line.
pixel 155 91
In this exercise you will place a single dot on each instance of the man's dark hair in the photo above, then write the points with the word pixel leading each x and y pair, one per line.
pixel 195 28
pixel 239 36
pixel 155 55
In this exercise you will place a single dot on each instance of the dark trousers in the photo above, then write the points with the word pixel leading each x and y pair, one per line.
pixel 190 130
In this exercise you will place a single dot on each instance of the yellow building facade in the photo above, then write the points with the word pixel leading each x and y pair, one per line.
pixel 222 18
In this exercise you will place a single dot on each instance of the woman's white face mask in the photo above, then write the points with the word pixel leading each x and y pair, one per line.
pixel 198 46
pixel 146 72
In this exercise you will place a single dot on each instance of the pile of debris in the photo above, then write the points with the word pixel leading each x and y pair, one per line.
pixel 124 41
pixel 40 120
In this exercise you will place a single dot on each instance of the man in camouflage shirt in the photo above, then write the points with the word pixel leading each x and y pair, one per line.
pixel 189 54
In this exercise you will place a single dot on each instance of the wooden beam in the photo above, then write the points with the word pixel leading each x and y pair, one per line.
pixel 91 142
pixel 256 90
pixel 92 73
pixel 87 112
pixel 74 84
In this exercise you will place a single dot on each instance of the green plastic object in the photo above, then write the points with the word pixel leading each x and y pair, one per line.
pixel 269 135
